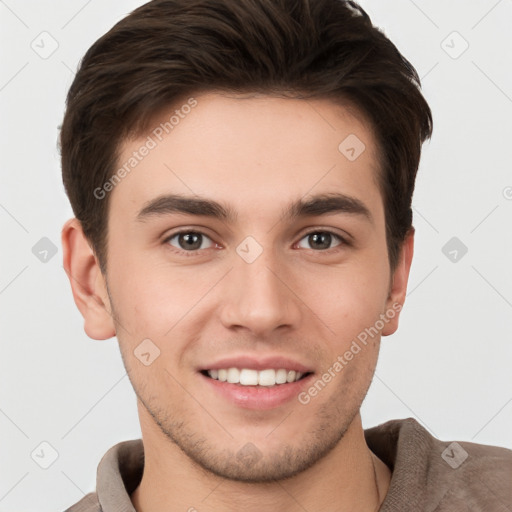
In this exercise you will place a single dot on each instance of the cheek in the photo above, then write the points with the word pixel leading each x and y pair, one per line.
pixel 147 296
pixel 160 302
pixel 350 299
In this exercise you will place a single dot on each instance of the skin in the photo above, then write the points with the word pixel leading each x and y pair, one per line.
pixel 255 154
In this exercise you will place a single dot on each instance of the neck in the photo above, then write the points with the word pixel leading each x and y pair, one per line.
pixel 348 478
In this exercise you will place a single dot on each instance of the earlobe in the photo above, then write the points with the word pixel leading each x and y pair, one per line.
pixel 398 289
pixel 87 282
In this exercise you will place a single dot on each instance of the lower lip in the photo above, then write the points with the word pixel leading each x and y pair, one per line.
pixel 258 397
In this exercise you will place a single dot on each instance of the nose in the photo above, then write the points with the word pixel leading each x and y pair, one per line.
pixel 258 297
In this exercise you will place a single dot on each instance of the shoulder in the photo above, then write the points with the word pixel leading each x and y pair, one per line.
pixel 476 474
pixel 446 474
pixel 119 473
pixel 89 503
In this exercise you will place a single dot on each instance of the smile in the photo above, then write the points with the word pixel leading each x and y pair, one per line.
pixel 249 377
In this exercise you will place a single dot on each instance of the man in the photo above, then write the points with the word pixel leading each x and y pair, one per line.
pixel 241 175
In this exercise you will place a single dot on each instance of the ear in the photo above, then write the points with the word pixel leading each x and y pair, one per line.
pixel 398 287
pixel 87 282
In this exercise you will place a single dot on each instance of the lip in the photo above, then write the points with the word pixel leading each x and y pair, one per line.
pixel 257 363
pixel 257 397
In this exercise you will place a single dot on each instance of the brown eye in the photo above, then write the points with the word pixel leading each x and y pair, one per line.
pixel 321 240
pixel 190 241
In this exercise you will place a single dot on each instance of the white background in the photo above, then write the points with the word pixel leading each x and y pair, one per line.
pixel 448 366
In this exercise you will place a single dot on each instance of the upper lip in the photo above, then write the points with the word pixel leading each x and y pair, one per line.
pixel 257 363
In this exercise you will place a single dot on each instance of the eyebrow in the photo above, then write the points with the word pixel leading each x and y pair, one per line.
pixel 322 204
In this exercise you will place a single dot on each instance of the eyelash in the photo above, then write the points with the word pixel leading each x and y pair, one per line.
pixel 343 241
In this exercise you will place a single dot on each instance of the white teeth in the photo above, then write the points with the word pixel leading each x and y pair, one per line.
pixel 280 376
pixel 248 377
pixel 267 378
pixel 290 377
pixel 233 375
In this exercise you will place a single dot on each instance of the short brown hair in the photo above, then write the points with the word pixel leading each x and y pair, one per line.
pixel 167 50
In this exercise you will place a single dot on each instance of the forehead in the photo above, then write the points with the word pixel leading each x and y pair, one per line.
pixel 250 150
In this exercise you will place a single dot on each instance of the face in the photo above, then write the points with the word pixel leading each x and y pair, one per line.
pixel 249 240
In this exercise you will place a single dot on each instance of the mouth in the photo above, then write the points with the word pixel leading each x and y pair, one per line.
pixel 262 386
pixel 269 377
